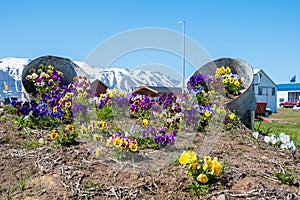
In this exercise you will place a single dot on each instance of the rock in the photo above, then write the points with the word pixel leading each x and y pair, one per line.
pixel 221 197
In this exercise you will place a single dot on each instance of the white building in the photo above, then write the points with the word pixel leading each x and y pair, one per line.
pixel 288 92
pixel 265 89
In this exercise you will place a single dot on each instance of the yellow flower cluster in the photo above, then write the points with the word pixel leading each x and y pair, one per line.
pixel 114 93
pixel 232 82
pixel 187 157
pixel 201 170
pixel 97 137
pixel 222 70
pixel 97 124
pixel 122 142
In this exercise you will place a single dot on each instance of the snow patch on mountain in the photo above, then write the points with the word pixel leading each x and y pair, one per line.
pixel 124 79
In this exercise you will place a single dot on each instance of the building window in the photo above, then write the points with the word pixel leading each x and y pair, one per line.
pixel 273 91
pixel 260 89
pixel 281 99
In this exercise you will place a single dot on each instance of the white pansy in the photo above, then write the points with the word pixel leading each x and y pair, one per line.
pixel 292 146
pixel 273 139
pixel 284 146
pixel 284 138
pixel 281 135
pixel 267 139
pixel 255 134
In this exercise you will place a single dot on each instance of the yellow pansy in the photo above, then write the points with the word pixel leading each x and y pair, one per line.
pixel 237 83
pixel 42 66
pixel 145 122
pixel 32 70
pixel 216 167
pixel 231 116
pixel 202 178
pixel 184 158
pixel 68 104
pixel 228 70
pixel 83 130
pixel 194 166
pixel 54 134
pixel 133 147
pixel 124 144
pixel 118 142
pixel 207 160
pixel 70 128
pixel 193 156
pixel 207 113
pixel 50 67
pixel 225 80
pixel 97 137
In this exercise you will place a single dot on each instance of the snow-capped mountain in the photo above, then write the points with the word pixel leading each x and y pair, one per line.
pixel 124 79
pixel 10 71
pixel 13 66
pixel 114 78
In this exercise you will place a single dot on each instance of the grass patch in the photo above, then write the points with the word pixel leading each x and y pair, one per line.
pixel 286 120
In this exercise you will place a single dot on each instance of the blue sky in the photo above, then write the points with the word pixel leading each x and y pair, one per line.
pixel 265 33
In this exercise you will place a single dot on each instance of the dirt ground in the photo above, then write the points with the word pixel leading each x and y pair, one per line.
pixel 31 171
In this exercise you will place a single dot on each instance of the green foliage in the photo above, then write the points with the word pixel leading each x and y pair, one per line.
pixel 175 162
pixel 21 122
pixel 10 110
pixel 65 136
pixel 33 122
pixel 105 113
pixel 92 186
pixel 32 144
pixel 22 180
pixel 260 129
pixel 285 178
pixel 147 142
pixel 197 189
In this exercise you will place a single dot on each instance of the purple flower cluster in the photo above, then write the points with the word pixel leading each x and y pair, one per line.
pixel 37 110
pixel 163 138
pixel 148 132
pixel 198 80
pixel 170 103
pixel 203 109
pixel 120 101
pixel 55 103
pixel 54 76
pixel 191 116
pixel 78 110
pixel 103 100
pixel 167 100
pixel 139 103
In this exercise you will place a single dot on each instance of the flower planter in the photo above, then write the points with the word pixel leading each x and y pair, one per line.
pixel 245 103
pixel 69 69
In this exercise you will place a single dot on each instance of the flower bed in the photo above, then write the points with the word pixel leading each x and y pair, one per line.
pixel 145 133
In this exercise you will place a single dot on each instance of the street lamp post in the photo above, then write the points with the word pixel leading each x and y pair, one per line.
pixel 183 55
